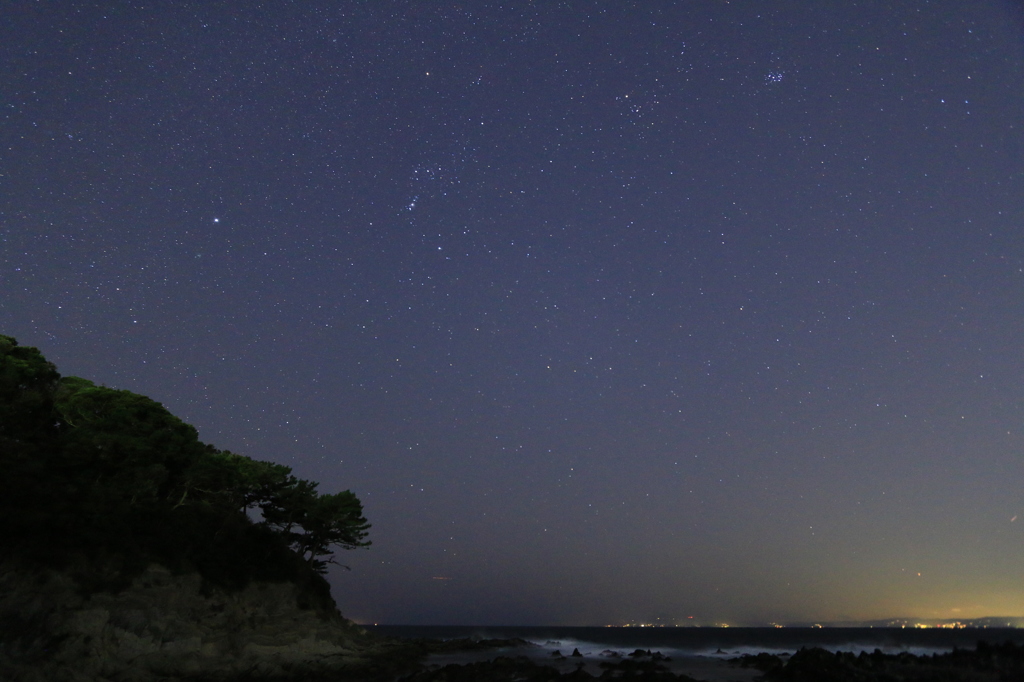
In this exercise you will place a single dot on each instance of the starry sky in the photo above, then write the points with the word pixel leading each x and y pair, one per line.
pixel 704 311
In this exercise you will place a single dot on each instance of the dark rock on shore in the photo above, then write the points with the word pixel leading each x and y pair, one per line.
pixel 656 656
pixel 522 669
pixel 501 669
pixel 641 670
pixel 987 663
pixel 762 661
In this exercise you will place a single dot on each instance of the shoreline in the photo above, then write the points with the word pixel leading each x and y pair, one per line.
pixel 698 667
pixel 716 642
pixel 517 659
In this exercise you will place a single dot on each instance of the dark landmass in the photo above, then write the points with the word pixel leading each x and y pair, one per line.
pixel 129 549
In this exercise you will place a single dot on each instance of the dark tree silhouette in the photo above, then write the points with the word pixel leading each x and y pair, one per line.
pixel 106 469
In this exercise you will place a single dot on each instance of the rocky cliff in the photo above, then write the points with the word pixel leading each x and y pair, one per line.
pixel 131 550
pixel 163 626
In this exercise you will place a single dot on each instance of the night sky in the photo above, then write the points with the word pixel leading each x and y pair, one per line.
pixel 607 311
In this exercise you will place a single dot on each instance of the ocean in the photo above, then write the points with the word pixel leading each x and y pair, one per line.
pixel 719 643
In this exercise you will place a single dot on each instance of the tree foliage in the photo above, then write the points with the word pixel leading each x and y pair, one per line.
pixel 90 467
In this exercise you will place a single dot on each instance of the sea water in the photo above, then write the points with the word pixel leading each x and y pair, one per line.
pixel 719 642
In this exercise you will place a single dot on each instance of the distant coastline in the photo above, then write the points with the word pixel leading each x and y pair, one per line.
pixel 988 622
pixel 906 622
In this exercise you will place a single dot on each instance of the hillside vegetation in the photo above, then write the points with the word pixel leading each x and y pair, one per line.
pixel 110 475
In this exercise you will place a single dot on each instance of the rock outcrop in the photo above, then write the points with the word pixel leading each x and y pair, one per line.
pixel 164 627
